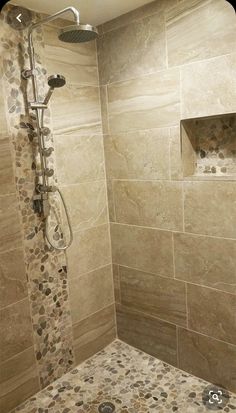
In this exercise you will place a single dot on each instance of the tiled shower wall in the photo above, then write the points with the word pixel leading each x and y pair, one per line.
pixel 173 239
pixel 51 318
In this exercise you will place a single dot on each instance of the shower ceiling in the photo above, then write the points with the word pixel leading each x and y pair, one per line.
pixel 94 11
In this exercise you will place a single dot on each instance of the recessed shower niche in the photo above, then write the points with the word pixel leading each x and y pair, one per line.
pixel 209 147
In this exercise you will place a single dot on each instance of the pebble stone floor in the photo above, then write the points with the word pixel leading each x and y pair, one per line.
pixel 130 379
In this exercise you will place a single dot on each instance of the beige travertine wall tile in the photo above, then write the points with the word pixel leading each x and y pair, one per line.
pixel 90 250
pixel 90 293
pixel 15 322
pixel 145 249
pixel 79 158
pixel 176 169
pixel 206 260
pixel 119 50
pixel 18 380
pixel 147 333
pixel 210 208
pixel 116 282
pixel 94 333
pixel 76 110
pixel 7 179
pixel 104 109
pixel 210 26
pixel 77 62
pixel 204 94
pixel 10 231
pixel 138 155
pixel 161 297
pixel 87 204
pixel 111 205
pixel 13 283
pixel 157 6
pixel 151 101
pixel 207 358
pixel 150 204
pixel 212 312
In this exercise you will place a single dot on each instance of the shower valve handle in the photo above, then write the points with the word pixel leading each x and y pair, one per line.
pixel 49 172
pixel 47 151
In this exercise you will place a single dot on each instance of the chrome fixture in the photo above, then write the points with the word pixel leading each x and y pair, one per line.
pixel 76 33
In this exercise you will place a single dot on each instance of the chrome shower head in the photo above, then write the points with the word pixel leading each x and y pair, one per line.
pixel 55 81
pixel 78 33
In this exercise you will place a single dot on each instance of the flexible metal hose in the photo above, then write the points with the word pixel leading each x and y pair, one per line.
pixel 69 225
pixel 43 165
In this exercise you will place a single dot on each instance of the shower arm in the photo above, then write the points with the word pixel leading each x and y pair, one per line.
pixel 34 26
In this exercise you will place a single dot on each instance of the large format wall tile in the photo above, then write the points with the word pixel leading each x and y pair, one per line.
pixel 116 282
pixel 94 333
pixel 207 358
pixel 212 313
pixel 7 181
pixel 161 297
pixel 151 101
pixel 13 283
pixel 10 232
pixel 87 204
pixel 76 110
pixel 79 158
pixel 150 204
pixel 90 293
pixel 209 208
pixel 145 249
pixel 210 26
pixel 18 380
pixel 205 260
pixel 148 9
pixel 90 250
pixel 77 62
pixel 138 155
pixel 204 94
pixel 147 333
pixel 16 329
pixel 119 59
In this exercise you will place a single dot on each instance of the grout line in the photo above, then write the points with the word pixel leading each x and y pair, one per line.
pixel 176 325
pixel 183 206
pixel 172 230
pixel 181 66
pixel 89 272
pixel 26 298
pixel 173 255
pixel 177 345
pixel 186 303
pixel 92 314
pixel 176 279
pixel 18 354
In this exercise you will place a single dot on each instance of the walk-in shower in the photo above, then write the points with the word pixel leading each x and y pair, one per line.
pixel 76 33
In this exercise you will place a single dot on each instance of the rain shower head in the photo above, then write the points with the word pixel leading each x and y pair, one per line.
pixel 55 81
pixel 78 33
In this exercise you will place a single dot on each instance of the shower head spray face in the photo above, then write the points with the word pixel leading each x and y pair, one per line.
pixel 79 33
pixel 55 81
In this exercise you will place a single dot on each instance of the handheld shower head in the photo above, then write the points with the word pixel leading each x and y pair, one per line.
pixel 78 33
pixel 54 81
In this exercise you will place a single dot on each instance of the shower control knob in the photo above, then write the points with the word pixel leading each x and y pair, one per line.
pixel 49 172
pixel 45 131
pixel 47 151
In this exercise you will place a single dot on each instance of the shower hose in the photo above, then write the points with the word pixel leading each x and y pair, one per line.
pixel 56 189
